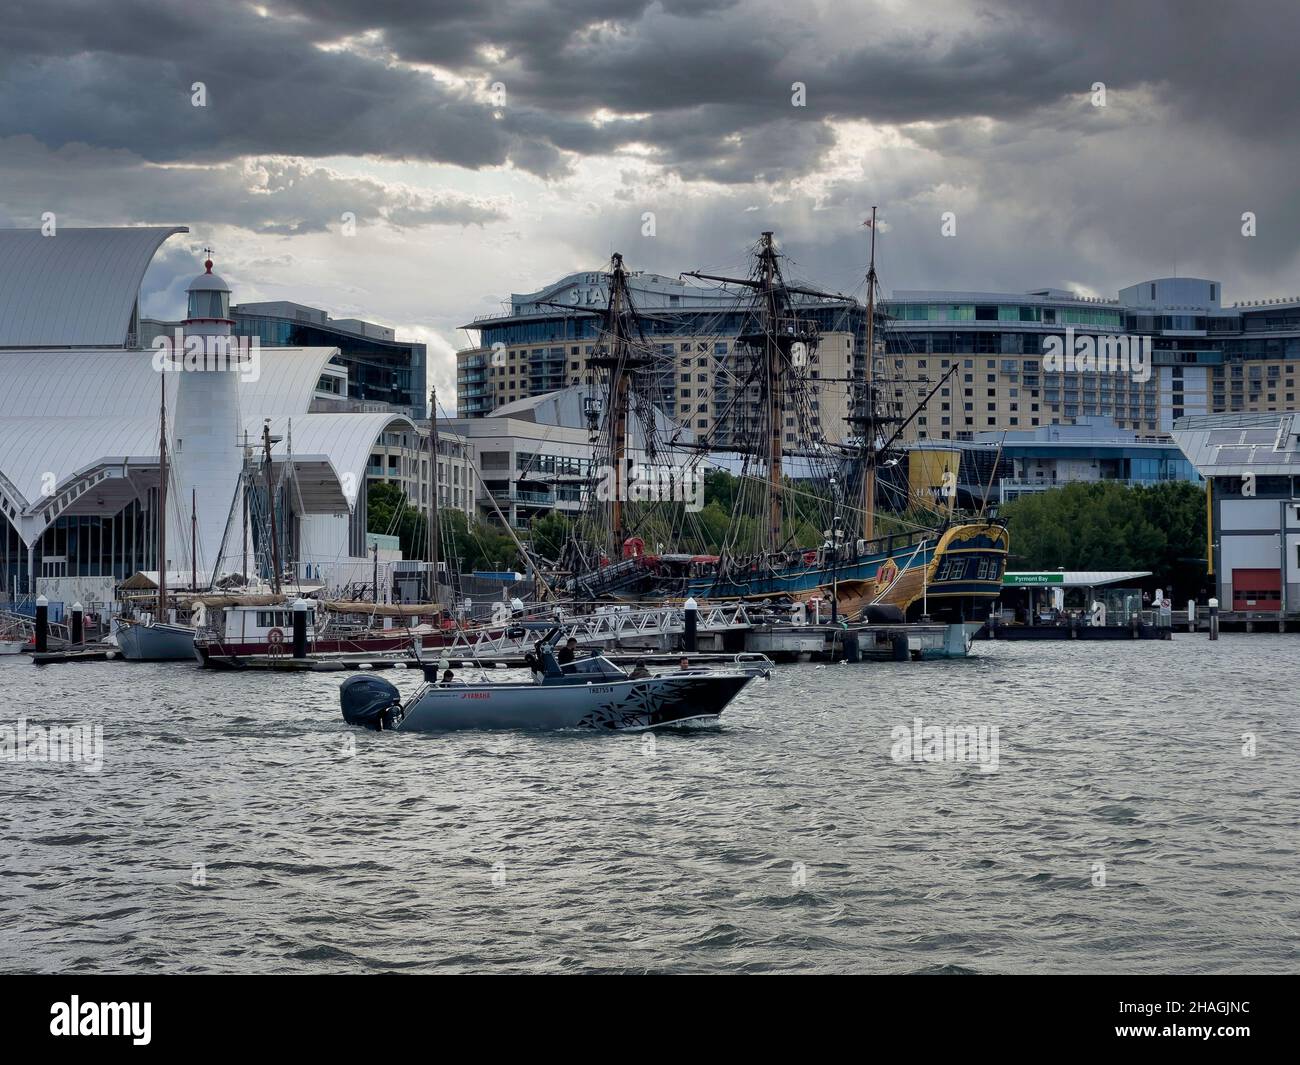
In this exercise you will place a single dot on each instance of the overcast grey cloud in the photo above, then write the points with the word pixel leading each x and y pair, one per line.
pixel 391 112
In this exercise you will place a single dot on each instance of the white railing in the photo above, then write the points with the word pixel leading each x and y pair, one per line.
pixel 605 627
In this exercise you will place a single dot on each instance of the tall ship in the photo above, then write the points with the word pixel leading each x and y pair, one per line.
pixel 809 518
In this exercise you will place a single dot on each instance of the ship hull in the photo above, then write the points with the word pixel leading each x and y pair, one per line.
pixel 156 643
pixel 621 705
pixel 961 570
pixel 228 654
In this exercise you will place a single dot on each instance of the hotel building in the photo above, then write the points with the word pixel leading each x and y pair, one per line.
pixel 1205 358
pixel 546 339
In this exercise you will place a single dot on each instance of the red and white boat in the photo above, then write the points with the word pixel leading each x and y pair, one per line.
pixel 233 628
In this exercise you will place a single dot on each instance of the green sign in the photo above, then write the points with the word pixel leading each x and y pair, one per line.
pixel 1014 579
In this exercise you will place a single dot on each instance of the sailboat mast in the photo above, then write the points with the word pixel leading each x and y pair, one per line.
pixel 618 382
pixel 243 493
pixel 270 500
pixel 161 517
pixel 775 391
pixel 194 538
pixel 868 372
pixel 617 356
pixel 433 495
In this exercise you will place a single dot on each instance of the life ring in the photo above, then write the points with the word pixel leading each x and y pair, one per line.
pixel 275 636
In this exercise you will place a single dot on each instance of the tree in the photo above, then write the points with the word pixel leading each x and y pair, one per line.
pixel 1104 525
pixel 472 543
pixel 550 533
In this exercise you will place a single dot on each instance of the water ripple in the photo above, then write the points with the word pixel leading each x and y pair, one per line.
pixel 239 825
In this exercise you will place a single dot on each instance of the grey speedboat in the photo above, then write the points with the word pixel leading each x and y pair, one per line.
pixel 589 693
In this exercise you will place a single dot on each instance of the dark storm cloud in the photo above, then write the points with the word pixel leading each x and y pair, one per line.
pixel 981 107
pixel 83 186
pixel 72 73
pixel 118 76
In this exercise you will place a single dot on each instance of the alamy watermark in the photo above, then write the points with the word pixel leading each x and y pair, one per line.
pixel 82 744
pixel 946 743
pixel 189 353
pixel 77 1018
pixel 1102 354
pixel 646 483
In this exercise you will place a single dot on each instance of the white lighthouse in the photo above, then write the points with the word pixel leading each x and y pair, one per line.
pixel 205 430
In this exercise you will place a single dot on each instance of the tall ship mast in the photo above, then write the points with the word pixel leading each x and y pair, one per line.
pixel 787 536
pixel 780 342
pixel 621 361
pixel 868 419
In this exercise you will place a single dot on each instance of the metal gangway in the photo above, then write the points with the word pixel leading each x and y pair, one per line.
pixel 23 627
pixel 606 627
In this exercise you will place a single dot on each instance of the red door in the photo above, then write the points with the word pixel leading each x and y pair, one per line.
pixel 1256 589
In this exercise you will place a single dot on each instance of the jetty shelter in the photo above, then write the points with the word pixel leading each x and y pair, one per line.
pixel 1036 595
pixel 83 408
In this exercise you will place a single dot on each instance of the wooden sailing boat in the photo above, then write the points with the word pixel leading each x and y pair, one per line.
pixel 159 639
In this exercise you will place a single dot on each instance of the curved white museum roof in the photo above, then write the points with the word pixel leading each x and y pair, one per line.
pixel 76 288
pixel 71 420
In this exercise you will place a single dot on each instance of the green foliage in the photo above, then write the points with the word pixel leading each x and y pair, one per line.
pixel 477 545
pixel 550 533
pixel 1102 525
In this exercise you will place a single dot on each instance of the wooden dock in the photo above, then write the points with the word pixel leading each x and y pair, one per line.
pixel 85 653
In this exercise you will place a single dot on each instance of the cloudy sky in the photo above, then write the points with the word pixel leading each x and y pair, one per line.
pixel 485 146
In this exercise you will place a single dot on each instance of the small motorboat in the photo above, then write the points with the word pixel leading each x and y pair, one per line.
pixel 588 693
pixel 10 646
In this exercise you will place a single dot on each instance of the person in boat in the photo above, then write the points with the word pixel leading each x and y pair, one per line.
pixel 685 663
pixel 639 671
pixel 448 677
pixel 533 660
pixel 568 652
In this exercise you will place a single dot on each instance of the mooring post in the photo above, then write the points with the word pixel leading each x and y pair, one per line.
pixel 78 624
pixel 42 624
pixel 300 628
pixel 690 637
pixel 1214 619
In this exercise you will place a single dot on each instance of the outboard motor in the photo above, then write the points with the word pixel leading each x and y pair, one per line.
pixel 369 701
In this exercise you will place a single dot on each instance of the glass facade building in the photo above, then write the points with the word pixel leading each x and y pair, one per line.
pixel 381 369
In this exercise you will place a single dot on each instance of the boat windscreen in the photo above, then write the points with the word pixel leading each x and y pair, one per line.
pixel 597 665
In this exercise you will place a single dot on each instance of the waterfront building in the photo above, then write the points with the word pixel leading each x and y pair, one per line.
pixel 382 371
pixel 546 339
pixel 536 455
pixel 1092 449
pixel 1252 465
pixel 372 372
pixel 1002 466
pixel 402 458
pixel 79 429
pixel 1204 357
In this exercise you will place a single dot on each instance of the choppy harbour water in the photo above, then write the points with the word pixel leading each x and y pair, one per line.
pixel 785 839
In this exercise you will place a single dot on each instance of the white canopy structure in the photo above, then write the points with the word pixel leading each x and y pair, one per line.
pixel 79 432
pixel 80 419
pixel 75 287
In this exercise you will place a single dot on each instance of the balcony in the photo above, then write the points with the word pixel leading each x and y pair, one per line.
pixel 533 499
